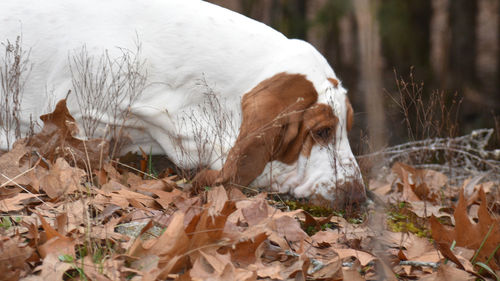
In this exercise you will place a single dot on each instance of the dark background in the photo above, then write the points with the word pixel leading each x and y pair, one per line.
pixel 450 47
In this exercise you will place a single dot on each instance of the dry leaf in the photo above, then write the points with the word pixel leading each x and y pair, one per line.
pixel 271 271
pixel 363 257
pixel 331 270
pixel 446 273
pixel 209 229
pixel 15 203
pixel 217 197
pixel 53 268
pixel 290 229
pixel 10 167
pixel 420 249
pixel 14 258
pixel 58 246
pixel 419 184
pixel 171 243
pixel 245 252
pixel 62 179
pixel 57 140
pixel 425 209
pixel 469 234
pixel 326 237
pixel 255 213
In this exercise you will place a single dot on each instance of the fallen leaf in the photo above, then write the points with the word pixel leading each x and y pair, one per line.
pixel 331 270
pixel 209 228
pixel 271 271
pixel 256 212
pixel 296 269
pixel 57 140
pixel 446 272
pixel 15 203
pixel 217 197
pixel 212 266
pixel 99 272
pixel 172 242
pixel 418 184
pixel 244 252
pixel 53 268
pixel 363 257
pixel 326 237
pixel 425 209
pixel 10 167
pixel 146 263
pixel 404 174
pixel 417 247
pixel 14 258
pixel 62 179
pixel 58 246
pixel 352 273
pixel 468 234
pixel 166 198
pixel 380 188
pixel 290 229
pixel 434 179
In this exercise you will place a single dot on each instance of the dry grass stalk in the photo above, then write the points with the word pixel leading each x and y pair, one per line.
pixel 106 87
pixel 431 117
pixel 211 124
pixel 432 127
pixel 15 68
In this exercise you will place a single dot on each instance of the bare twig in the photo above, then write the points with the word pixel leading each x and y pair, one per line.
pixel 434 265
pixel 14 71
pixel 460 157
pixel 106 87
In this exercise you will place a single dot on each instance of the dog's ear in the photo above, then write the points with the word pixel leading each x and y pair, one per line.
pixel 349 114
pixel 272 113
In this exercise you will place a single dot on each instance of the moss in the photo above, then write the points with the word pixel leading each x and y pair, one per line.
pixel 313 210
pixel 401 219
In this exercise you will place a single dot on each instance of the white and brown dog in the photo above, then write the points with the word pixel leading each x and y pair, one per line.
pixel 289 114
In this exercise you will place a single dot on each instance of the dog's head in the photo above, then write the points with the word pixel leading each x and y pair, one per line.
pixel 293 137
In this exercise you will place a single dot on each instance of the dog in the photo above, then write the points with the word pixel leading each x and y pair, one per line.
pixel 223 91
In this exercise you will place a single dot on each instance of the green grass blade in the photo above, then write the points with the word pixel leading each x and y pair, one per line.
pixel 487 268
pixel 482 244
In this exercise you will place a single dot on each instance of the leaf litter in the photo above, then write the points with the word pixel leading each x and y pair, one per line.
pixel 70 213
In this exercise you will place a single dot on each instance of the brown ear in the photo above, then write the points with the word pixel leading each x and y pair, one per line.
pixel 271 118
pixel 349 115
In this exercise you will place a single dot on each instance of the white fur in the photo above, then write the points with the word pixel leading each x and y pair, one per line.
pixel 184 43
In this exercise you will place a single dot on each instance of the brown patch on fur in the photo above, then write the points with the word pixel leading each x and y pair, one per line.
pixel 334 82
pixel 272 129
pixel 318 126
pixel 349 115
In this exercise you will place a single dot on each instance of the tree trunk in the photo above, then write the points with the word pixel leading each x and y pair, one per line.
pixel 487 44
pixel 371 70
pixel 463 19
pixel 440 40
pixel 316 32
pixel 347 40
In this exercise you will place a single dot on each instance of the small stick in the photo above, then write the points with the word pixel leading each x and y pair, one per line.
pixel 434 265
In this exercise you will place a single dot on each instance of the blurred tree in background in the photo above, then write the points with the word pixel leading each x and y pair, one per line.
pixel 450 45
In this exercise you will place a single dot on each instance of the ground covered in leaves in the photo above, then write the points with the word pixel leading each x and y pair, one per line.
pixel 68 213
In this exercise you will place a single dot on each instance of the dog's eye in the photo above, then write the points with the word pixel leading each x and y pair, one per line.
pixel 323 133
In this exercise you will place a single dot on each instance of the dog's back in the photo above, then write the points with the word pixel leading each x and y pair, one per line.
pixel 189 48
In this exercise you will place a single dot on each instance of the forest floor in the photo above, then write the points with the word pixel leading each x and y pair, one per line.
pixel 98 220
